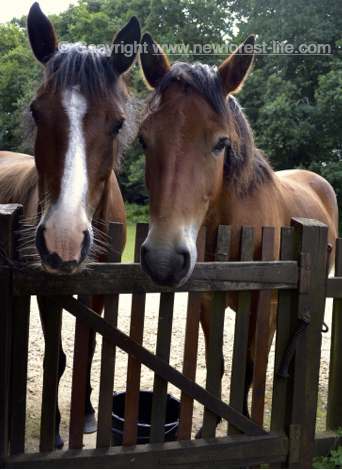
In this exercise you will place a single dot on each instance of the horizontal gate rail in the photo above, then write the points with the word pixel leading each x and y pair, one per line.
pixel 164 370
pixel 334 285
pixel 113 278
pixel 223 452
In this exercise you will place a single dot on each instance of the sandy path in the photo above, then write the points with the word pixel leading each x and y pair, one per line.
pixel 36 354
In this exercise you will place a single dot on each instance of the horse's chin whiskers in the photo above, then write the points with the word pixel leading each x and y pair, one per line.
pixel 98 221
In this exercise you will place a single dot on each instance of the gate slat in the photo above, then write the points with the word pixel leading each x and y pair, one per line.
pixel 9 218
pixel 159 400
pixel 262 333
pixel 213 383
pixel 50 379
pixel 20 338
pixel 108 349
pixel 157 365
pixel 283 336
pixel 190 347
pixel 134 366
pixel 238 374
pixel 334 407
pixel 79 378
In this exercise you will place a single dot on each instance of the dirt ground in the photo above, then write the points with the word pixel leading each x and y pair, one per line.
pixel 36 354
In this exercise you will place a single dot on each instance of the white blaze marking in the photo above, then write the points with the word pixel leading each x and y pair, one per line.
pixel 67 221
pixel 74 184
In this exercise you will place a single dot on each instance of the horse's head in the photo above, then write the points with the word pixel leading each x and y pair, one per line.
pixel 185 135
pixel 78 112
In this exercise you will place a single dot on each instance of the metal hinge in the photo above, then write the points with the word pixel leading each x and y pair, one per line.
pixel 294 436
pixel 304 273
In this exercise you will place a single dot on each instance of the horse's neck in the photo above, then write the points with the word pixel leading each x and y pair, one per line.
pixel 258 207
pixel 111 206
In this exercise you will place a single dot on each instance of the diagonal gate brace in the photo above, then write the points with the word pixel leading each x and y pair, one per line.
pixel 157 365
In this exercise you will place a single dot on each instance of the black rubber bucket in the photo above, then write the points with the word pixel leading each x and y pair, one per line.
pixel 144 417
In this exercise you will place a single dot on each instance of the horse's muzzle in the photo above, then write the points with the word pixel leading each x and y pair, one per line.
pixel 52 262
pixel 166 268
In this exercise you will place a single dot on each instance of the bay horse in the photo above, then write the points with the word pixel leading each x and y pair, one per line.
pixel 203 168
pixel 83 115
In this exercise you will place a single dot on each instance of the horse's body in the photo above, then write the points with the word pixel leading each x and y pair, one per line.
pixel 69 189
pixel 202 168
pixel 18 182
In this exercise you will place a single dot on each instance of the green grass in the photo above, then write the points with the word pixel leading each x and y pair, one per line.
pixel 128 254
pixel 321 414
pixel 32 425
pixel 134 214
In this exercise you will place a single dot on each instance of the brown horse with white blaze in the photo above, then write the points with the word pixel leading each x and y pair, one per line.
pixel 202 168
pixel 83 115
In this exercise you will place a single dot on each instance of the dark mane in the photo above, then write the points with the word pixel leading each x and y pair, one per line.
pixel 201 77
pixel 88 68
pixel 97 79
pixel 245 165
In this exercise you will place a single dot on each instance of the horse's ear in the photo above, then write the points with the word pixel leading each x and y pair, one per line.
pixel 42 36
pixel 234 70
pixel 153 61
pixel 126 44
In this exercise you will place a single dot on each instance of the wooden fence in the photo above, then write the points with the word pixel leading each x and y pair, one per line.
pixel 300 276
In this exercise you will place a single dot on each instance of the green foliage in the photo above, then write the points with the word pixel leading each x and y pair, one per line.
pixel 332 172
pixel 333 460
pixel 136 213
pixel 293 101
pixel 132 176
pixel 19 76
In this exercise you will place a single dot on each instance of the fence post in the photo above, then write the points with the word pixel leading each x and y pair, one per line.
pixel 287 321
pixel 334 407
pixel 311 240
pixel 9 218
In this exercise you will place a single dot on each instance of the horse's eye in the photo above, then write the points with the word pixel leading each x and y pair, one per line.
pixel 34 115
pixel 118 126
pixel 142 142
pixel 221 144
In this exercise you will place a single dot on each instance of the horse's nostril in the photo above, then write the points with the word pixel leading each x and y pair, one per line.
pixel 186 263
pixel 144 259
pixel 40 240
pixel 182 264
pixel 86 243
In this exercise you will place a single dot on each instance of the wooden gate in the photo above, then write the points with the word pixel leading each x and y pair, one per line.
pixel 300 276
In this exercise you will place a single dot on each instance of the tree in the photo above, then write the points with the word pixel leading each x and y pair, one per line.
pixel 281 97
pixel 19 75
pixel 294 101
